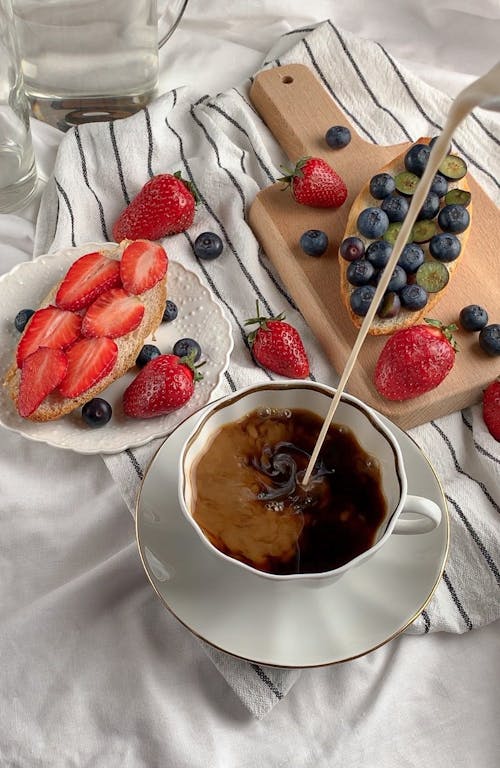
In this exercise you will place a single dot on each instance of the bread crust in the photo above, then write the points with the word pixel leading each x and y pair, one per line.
pixel 54 406
pixel 405 317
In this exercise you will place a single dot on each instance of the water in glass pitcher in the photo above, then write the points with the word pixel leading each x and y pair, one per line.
pixel 88 59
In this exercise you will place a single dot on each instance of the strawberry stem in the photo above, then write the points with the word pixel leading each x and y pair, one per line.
pixel 262 322
pixel 446 330
pixel 188 360
pixel 291 174
pixel 190 186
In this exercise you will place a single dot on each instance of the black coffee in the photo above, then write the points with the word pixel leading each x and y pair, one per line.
pixel 249 500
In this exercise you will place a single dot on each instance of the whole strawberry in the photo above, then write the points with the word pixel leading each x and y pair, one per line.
pixel 276 345
pixel 313 182
pixel 415 360
pixel 164 206
pixel 163 385
pixel 491 408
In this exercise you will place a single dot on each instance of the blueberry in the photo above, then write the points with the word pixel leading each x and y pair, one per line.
pixel 147 353
pixel 489 339
pixel 397 280
pixel 361 298
pixel 416 158
pixel 413 297
pixel 170 312
pixel 314 242
pixel 360 272
pixel 439 185
pixel 97 412
pixel 395 206
pixel 378 253
pixel 411 258
pixel 430 207
pixel 473 317
pixel 445 247
pixel 381 185
pixel 183 347
pixel 352 248
pixel 389 306
pixel 22 318
pixel 454 218
pixel 208 246
pixel 372 222
pixel 338 136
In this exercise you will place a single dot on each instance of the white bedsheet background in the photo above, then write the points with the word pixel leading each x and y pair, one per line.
pixel 94 671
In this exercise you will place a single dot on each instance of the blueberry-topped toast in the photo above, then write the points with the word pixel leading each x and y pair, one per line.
pixel 435 246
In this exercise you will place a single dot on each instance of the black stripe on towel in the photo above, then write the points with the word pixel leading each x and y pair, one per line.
pixel 427 621
pixel 457 602
pixel 219 222
pixel 488 133
pixel 365 83
pixel 223 301
pixel 462 471
pixel 298 31
pixel 224 233
pixel 135 464
pixel 432 122
pixel 230 381
pixel 241 194
pixel 272 687
pixel 70 211
pixel 118 161
pixel 478 447
pixel 147 118
pixel 212 143
pixel 78 139
pixel 332 93
pixel 491 564
pixel 242 161
pixel 246 102
pixel 56 219
pixel 231 120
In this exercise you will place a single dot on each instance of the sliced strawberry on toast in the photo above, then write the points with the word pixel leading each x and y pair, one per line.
pixel 48 327
pixel 41 373
pixel 89 361
pixel 86 279
pixel 143 264
pixel 114 313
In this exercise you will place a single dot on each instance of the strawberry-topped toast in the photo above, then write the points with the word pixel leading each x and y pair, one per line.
pixel 89 329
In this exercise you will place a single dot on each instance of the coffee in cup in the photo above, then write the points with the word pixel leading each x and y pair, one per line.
pixel 240 482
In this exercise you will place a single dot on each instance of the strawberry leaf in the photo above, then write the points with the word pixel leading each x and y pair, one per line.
pixel 189 185
pixel 291 174
pixel 446 330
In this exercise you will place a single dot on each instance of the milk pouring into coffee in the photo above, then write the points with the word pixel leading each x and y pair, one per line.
pixel 483 92
pixel 249 501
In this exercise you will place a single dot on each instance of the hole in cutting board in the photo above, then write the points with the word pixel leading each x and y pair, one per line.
pixel 287 79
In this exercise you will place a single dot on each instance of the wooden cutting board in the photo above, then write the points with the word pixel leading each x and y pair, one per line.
pixel 298 110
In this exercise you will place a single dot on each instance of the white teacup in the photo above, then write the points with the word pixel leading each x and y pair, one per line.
pixel 421 515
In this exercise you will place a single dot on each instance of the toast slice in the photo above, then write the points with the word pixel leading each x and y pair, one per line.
pixel 55 406
pixel 405 317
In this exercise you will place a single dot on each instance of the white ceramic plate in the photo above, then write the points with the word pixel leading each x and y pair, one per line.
pixel 287 624
pixel 199 318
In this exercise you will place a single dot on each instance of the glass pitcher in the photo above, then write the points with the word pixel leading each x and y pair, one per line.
pixel 88 60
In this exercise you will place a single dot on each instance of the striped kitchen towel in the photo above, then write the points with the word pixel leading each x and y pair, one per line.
pixel 221 144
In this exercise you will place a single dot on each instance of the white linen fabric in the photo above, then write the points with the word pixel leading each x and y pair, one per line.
pixel 222 146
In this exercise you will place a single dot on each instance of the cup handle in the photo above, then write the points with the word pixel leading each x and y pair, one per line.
pixel 171 24
pixel 429 516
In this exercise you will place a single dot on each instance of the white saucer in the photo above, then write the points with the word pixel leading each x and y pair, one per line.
pixel 287 624
pixel 199 317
